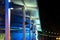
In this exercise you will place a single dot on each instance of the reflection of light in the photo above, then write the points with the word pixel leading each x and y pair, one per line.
pixel 9 0
pixel 9 15
pixel 31 5
pixel 36 35
pixel 54 33
pixel 37 21
pixel 57 38
pixel 38 27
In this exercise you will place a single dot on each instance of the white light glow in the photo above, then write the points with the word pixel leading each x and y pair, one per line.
pixel 36 35
pixel 11 8
pixel 37 21
pixel 56 38
pixel 38 28
pixel 9 16
pixel 9 0
pixel 59 38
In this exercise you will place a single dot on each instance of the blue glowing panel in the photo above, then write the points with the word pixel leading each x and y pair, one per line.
pixel 18 34
pixel 27 36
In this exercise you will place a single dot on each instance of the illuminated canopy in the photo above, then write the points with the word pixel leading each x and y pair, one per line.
pixel 28 3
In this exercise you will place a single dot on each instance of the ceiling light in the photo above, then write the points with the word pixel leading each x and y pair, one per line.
pixel 9 0
pixel 51 32
pixel 11 8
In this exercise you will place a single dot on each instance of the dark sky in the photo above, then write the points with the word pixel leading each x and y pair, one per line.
pixel 50 15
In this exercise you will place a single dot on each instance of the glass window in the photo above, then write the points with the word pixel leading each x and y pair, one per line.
pixel 16 24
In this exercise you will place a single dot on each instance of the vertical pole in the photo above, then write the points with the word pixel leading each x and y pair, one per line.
pixel 24 31
pixel 7 21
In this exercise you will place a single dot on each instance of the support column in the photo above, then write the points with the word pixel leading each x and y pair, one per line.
pixel 24 30
pixel 7 21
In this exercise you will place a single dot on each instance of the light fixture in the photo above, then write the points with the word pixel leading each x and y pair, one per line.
pixel 11 8
pixel 57 33
pixel 45 31
pixel 54 33
pixel 9 0
pixel 51 32
pixel 57 38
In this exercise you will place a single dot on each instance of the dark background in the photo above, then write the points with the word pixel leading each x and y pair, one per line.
pixel 50 15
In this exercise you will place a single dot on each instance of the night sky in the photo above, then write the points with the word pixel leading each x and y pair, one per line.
pixel 49 15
